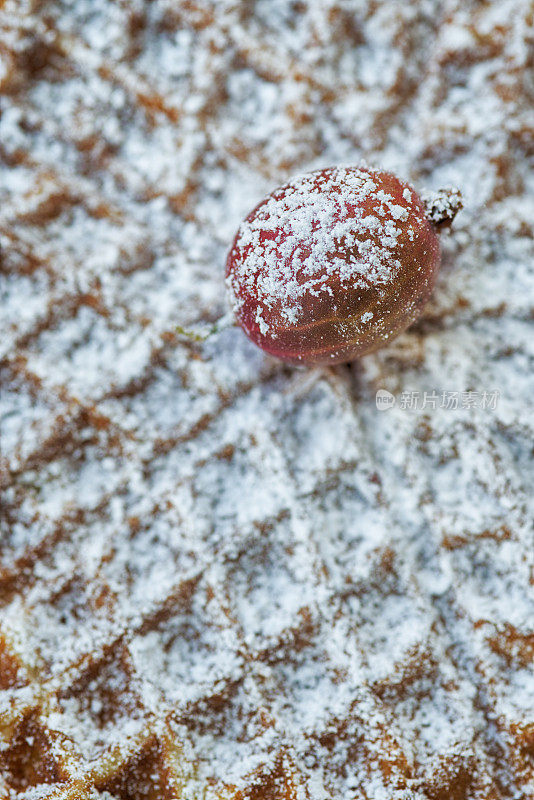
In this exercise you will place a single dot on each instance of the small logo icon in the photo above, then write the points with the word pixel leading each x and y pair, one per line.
pixel 384 400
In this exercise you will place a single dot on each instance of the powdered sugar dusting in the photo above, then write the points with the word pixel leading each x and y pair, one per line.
pixel 220 577
pixel 298 238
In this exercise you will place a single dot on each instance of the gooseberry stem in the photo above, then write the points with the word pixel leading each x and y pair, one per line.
pixel 442 206
pixel 203 332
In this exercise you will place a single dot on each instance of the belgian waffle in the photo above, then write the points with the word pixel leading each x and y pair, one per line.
pixel 220 577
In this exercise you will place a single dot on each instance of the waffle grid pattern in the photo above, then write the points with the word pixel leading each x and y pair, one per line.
pixel 221 578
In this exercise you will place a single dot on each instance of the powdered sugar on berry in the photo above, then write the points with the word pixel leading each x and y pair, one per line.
pixel 300 236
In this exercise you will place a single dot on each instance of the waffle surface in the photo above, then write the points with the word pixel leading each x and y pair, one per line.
pixel 222 578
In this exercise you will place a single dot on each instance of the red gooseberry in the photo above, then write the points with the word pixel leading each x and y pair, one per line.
pixel 333 264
